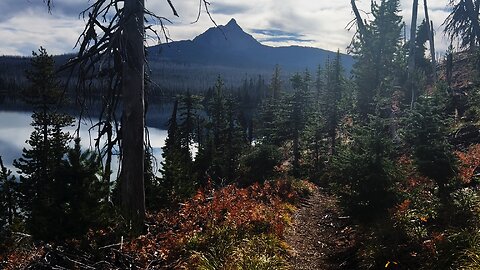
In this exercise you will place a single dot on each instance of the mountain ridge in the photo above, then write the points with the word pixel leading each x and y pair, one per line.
pixel 225 50
pixel 230 46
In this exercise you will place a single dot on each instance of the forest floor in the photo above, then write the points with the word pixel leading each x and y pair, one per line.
pixel 322 236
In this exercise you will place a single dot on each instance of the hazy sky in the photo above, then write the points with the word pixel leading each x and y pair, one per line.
pixel 25 24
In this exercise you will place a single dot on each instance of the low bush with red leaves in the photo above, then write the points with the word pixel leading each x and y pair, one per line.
pixel 254 210
pixel 233 222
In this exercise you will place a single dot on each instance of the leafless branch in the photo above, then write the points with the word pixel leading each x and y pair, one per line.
pixel 206 4
pixel 172 7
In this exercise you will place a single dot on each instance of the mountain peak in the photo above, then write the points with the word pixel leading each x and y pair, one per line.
pixel 232 24
pixel 226 36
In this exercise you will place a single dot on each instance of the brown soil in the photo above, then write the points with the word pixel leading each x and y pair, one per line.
pixel 322 237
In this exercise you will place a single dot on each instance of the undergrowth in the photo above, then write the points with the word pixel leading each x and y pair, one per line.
pixel 226 228
pixel 423 232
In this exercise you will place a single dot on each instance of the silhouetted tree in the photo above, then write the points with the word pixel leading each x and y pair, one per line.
pixel 112 47
pixel 463 22
pixel 177 180
pixel 8 198
pixel 48 143
pixel 79 193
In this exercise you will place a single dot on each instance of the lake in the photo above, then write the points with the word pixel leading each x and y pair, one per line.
pixel 15 129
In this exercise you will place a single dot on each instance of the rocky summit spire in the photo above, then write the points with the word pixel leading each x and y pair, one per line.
pixel 232 24
pixel 229 36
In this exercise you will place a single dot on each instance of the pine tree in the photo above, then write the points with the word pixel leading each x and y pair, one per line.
pixel 276 84
pixel 463 23
pixel 375 49
pixel 189 106
pixel 177 181
pixel 324 116
pixel 332 98
pixel 8 207
pixel 364 171
pixel 155 195
pixel 292 117
pixel 269 110
pixel 79 193
pixel 235 141
pixel 48 143
pixel 8 198
pixel 421 61
pixel 427 135
pixel 224 138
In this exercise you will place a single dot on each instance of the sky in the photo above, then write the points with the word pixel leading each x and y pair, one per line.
pixel 25 25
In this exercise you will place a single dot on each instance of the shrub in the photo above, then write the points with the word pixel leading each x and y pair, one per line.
pixel 259 163
pixel 363 172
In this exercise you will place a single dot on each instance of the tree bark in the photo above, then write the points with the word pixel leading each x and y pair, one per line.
pixel 361 26
pixel 133 122
pixel 431 41
pixel 411 57
pixel 432 52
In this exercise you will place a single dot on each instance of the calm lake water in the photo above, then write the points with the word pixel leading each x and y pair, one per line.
pixel 15 129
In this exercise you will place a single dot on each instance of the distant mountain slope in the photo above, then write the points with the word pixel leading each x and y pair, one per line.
pixel 230 46
pixel 195 64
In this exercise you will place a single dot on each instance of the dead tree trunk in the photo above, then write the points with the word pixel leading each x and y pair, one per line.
pixel 133 122
pixel 432 52
pixel 361 26
pixel 411 57
pixel 431 41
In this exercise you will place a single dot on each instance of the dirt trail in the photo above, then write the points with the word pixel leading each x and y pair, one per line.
pixel 321 236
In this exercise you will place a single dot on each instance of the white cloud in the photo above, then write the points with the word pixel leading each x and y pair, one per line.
pixel 29 30
pixel 322 21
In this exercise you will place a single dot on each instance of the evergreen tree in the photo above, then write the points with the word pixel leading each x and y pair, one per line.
pixel 314 141
pixel 79 193
pixel 44 92
pixel 375 49
pixel 427 135
pixel 48 143
pixel 235 141
pixel 224 138
pixel 291 117
pixel 422 36
pixel 189 105
pixel 38 168
pixel 177 180
pixel 276 84
pixel 323 119
pixel 268 115
pixel 155 195
pixel 8 198
pixel 320 82
pixel 334 88
pixel 463 23
pixel 364 171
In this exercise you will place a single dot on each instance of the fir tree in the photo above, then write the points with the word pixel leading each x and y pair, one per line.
pixel 177 180
pixel 291 117
pixel 224 138
pixel 427 135
pixel 38 166
pixel 8 198
pixel 364 171
pixel 375 49
pixel 334 88
pixel 462 23
pixel 79 192
pixel 276 84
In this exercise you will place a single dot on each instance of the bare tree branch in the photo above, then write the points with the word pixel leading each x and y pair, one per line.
pixel 173 8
